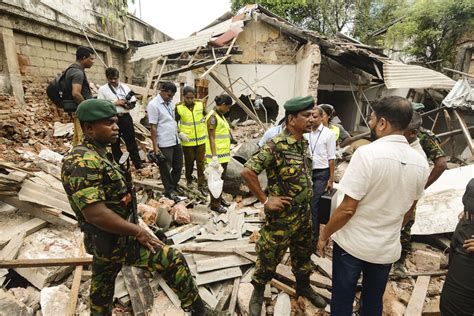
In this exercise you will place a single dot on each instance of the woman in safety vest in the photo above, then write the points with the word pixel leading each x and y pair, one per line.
pixel 218 143
pixel 343 138
pixel 190 116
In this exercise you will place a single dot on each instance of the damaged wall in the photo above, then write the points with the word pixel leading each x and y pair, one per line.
pixel 307 70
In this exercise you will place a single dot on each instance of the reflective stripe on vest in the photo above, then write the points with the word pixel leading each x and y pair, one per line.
pixel 222 138
pixel 192 123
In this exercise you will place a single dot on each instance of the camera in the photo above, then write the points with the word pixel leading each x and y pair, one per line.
pixel 157 158
pixel 128 103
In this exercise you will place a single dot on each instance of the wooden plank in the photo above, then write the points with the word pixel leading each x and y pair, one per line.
pixel 10 251
pixel 154 64
pixel 139 290
pixel 233 296
pixel 283 287
pixel 188 234
pixel 218 275
pixel 324 265
pixel 54 262
pixel 207 297
pixel 42 212
pixel 76 283
pixel 218 62
pixel 224 296
pixel 216 237
pixel 29 227
pixel 417 299
pixel 157 80
pixel 220 263
pixel 44 195
pixel 178 230
pixel 169 292
pixel 282 305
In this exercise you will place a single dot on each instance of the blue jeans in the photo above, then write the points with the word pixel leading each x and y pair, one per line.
pixel 320 180
pixel 346 272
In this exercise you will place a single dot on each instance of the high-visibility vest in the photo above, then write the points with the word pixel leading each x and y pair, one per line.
pixel 222 139
pixel 192 123
pixel 336 130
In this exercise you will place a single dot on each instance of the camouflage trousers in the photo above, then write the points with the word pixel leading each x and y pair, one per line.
pixel 168 261
pixel 405 238
pixel 275 239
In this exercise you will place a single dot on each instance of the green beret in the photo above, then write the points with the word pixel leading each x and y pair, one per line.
pixel 298 104
pixel 417 106
pixel 95 110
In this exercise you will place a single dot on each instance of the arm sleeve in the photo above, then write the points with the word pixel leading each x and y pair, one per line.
pixel 77 76
pixel 262 159
pixel 101 94
pixel 343 134
pixel 152 113
pixel 85 181
pixel 212 122
pixel 331 146
pixel 356 180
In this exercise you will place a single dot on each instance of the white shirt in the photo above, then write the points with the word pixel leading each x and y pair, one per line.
pixel 322 146
pixel 269 134
pixel 386 177
pixel 417 146
pixel 163 115
pixel 121 91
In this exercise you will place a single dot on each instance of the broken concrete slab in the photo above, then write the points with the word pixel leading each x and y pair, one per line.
pixel 426 260
pixel 54 300
pixel 9 305
pixel 283 305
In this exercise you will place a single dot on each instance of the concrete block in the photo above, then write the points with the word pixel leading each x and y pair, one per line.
pixel 36 61
pixel 61 47
pixel 54 300
pixel 426 261
pixel 71 48
pixel 48 44
pixel 50 63
pixel 33 40
pixel 19 38
pixel 243 297
pixel 25 50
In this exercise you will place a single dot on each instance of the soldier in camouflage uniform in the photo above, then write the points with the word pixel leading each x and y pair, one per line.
pixel 287 207
pixel 97 191
pixel 421 137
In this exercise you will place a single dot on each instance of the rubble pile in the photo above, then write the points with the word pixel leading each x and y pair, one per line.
pixel 36 223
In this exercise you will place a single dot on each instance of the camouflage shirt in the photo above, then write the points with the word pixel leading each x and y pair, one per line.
pixel 90 176
pixel 288 167
pixel 430 144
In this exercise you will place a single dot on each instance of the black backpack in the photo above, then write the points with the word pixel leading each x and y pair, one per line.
pixel 57 89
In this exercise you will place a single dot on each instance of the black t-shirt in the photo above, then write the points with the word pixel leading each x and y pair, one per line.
pixel 76 75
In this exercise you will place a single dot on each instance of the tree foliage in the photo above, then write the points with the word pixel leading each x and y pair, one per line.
pixel 432 30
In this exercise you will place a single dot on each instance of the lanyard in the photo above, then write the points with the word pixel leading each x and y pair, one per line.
pixel 115 92
pixel 313 148
pixel 168 109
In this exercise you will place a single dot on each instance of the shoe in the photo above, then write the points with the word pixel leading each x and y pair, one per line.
pixel 179 190
pixel 173 197
pixel 313 297
pixel 399 271
pixel 219 209
pixel 138 166
pixel 225 203
pixel 256 300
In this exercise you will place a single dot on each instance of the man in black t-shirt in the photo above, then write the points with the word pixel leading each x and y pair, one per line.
pixel 77 86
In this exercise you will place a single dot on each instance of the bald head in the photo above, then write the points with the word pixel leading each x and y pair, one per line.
pixel 395 110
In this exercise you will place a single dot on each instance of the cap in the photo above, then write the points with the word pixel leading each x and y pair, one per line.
pixel 298 104
pixel 95 110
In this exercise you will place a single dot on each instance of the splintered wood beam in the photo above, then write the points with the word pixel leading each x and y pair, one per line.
pixel 34 263
pixel 236 99
pixel 157 81
pixel 76 283
pixel 154 64
pixel 417 299
pixel 218 62
pixel 465 131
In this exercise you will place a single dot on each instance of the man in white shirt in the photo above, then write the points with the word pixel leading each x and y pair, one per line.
pixel 118 93
pixel 164 135
pixel 272 132
pixel 322 146
pixel 382 184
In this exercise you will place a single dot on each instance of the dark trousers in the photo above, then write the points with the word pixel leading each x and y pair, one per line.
pixel 192 154
pixel 217 202
pixel 170 172
pixel 320 180
pixel 127 133
pixel 346 272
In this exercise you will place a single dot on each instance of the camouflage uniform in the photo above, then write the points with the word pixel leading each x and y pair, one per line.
pixel 433 151
pixel 90 175
pixel 288 169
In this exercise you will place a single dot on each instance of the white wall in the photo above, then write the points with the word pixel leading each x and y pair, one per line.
pixel 277 79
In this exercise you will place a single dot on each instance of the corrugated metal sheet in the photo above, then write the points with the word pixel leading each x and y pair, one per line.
pixel 399 75
pixel 218 28
pixel 171 47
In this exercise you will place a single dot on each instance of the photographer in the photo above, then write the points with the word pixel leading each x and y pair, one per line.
pixel 121 95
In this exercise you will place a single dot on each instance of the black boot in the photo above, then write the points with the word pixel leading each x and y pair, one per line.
pixel 303 288
pixel 201 309
pixel 256 301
